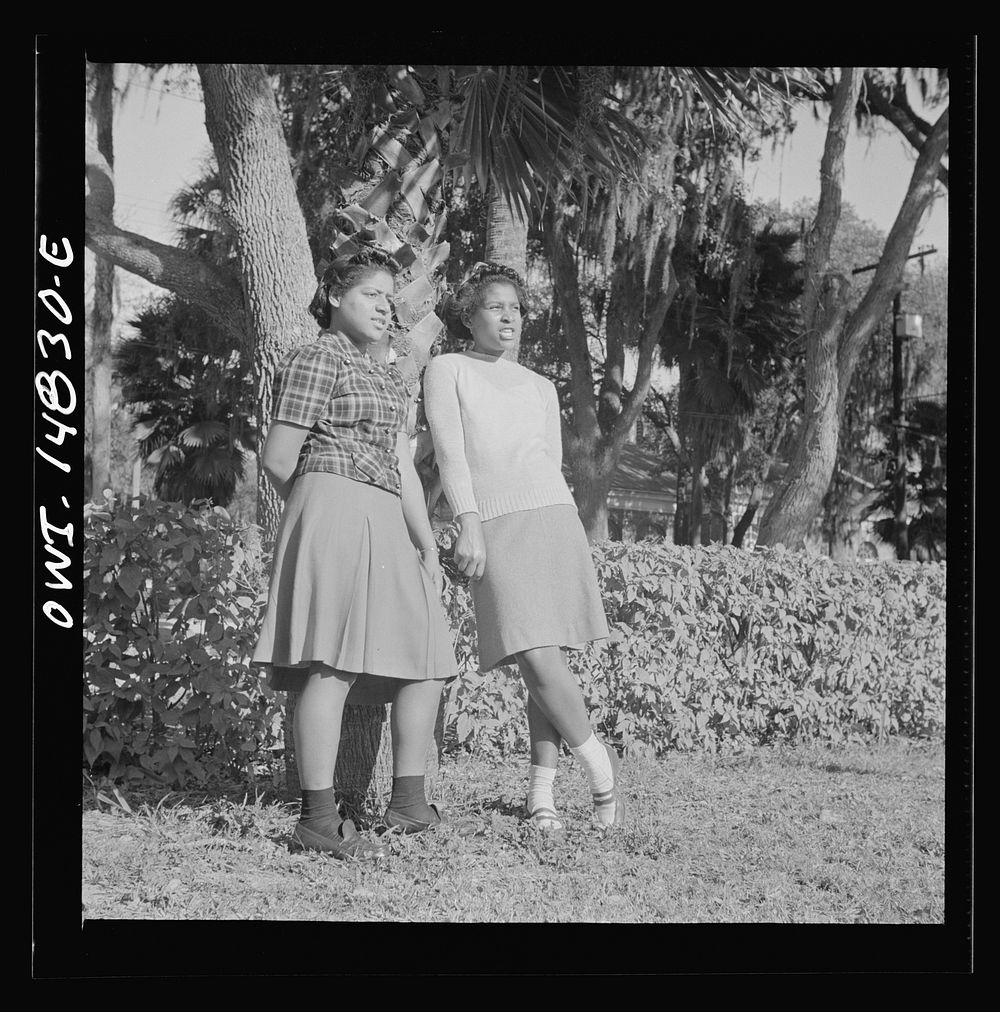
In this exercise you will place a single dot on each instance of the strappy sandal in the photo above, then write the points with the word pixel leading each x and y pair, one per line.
pixel 546 820
pixel 614 796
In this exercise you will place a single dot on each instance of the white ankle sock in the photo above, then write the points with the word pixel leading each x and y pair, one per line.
pixel 540 780
pixel 593 757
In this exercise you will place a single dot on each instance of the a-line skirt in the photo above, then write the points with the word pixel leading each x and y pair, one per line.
pixel 348 590
pixel 539 587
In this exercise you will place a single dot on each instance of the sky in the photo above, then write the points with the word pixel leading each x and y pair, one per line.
pixel 160 143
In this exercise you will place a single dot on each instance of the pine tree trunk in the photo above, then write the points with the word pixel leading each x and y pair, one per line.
pixel 99 399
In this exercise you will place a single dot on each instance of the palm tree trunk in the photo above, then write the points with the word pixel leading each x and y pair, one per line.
pixel 506 243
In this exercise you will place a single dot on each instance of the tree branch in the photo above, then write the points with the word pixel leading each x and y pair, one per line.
pixel 178 271
pixel 899 113
pixel 644 369
pixel 560 253
pixel 889 273
pixel 820 237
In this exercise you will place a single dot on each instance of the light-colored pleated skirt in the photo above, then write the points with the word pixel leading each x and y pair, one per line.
pixel 348 590
pixel 539 587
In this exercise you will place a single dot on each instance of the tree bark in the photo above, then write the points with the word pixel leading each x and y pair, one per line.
pixel 243 124
pixel 697 505
pixel 99 401
pixel 592 475
pixel 834 341
pixel 790 513
pixel 744 522
pixel 819 239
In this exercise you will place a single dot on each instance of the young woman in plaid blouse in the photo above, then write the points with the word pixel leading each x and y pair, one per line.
pixel 354 605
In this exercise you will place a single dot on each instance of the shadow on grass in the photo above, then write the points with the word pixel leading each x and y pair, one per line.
pixel 505 806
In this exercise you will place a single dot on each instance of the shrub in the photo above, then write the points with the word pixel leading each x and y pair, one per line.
pixel 710 648
pixel 715 647
pixel 172 597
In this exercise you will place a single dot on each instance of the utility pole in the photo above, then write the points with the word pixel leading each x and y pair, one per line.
pixel 899 532
pixel 899 335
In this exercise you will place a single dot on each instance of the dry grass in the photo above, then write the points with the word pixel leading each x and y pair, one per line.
pixel 810 834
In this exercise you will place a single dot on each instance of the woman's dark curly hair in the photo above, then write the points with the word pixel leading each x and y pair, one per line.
pixel 469 296
pixel 344 273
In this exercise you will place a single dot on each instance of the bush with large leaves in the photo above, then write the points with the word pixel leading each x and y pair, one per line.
pixel 192 389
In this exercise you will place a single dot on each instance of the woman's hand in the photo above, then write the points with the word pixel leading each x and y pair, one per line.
pixel 429 560
pixel 470 548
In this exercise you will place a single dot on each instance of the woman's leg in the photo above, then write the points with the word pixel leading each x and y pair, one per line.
pixel 318 717
pixel 545 742
pixel 316 726
pixel 545 737
pixel 556 694
pixel 411 724
pixel 552 685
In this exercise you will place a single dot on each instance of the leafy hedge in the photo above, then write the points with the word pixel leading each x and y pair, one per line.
pixel 719 646
pixel 172 596
pixel 710 648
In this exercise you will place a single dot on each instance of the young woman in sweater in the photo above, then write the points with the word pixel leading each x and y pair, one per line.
pixel 498 443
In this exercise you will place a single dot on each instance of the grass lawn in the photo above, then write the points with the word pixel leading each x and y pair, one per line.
pixel 851 834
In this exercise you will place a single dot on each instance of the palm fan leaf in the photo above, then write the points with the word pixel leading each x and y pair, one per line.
pixel 714 391
pixel 203 434
pixel 215 465
pixel 519 132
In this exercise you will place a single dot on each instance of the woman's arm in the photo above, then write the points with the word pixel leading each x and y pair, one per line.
pixel 415 510
pixel 444 415
pixel 281 454
pixel 412 492
pixel 553 423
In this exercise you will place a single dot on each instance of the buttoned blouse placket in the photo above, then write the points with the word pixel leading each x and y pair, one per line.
pixel 367 406
pixel 379 374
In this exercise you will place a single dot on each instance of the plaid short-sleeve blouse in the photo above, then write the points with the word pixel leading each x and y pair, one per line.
pixel 353 406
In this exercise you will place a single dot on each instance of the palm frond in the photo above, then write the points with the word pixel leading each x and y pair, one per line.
pixel 518 132
pixel 714 391
pixel 203 434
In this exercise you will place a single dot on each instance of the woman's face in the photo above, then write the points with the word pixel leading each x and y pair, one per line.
pixel 496 324
pixel 364 311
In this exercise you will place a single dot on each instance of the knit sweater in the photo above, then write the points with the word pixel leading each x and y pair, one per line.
pixel 496 433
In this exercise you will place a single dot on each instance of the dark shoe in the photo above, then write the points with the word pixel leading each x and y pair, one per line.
pixel 397 820
pixel 348 843
pixel 614 795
